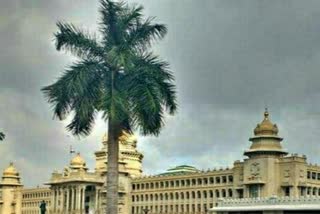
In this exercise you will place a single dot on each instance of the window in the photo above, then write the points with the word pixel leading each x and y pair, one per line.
pixel 286 191
pixel 211 180
pixel 314 175
pixel 218 180
pixel 308 175
pixel 253 191
pixel 230 178
pixel 224 179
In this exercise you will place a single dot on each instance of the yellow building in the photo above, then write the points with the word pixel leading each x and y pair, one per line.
pixel 266 171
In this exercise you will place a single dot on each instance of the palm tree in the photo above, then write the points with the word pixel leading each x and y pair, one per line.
pixel 2 136
pixel 116 74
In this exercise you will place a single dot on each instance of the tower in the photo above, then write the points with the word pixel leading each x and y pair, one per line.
pixel 130 159
pixel 11 191
pixel 261 169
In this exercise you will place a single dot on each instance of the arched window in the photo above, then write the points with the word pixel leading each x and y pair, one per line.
pixel 193 181
pixel 187 195
pixel 199 181
pixel 224 194
pixel 211 193
pixel 182 195
pixel 199 194
pixel 211 180
pixel 193 194
pixel 217 194
pixel 205 181
pixel 205 194
pixel 177 195
pixel 230 193
pixel 166 196
pixel 171 196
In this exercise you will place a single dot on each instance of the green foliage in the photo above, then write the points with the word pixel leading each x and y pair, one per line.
pixel 116 73
pixel 2 136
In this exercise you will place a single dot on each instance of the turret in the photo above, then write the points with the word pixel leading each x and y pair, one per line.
pixel 10 187
pixel 265 139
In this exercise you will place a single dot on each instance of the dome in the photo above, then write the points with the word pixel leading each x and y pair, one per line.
pixel 10 171
pixel 266 127
pixel 77 162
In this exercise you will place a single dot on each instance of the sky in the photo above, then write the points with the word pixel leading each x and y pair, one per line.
pixel 231 59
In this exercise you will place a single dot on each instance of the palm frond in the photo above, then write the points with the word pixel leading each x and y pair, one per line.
pixel 110 12
pixel 83 79
pixel 149 68
pixel 77 42
pixel 84 117
pixel 145 33
pixel 2 136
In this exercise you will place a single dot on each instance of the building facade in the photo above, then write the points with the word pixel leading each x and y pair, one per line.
pixel 266 171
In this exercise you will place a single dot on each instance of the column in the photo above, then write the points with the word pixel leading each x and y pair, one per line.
pixel 62 199
pixel 67 199
pixel 83 197
pixel 96 200
pixel 78 198
pixel 53 200
pixel 72 199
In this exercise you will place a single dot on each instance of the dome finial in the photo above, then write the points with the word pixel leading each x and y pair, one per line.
pixel 266 113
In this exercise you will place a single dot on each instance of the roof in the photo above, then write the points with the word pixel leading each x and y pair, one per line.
pixel 182 169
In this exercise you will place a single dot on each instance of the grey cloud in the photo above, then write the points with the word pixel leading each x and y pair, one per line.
pixel 230 58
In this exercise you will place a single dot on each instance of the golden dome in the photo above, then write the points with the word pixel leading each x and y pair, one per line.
pixel 78 161
pixel 10 171
pixel 266 127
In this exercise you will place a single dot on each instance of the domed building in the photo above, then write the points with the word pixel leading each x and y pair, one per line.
pixel 267 177
pixel 10 191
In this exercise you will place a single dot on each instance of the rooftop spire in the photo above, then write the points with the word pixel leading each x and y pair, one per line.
pixel 266 113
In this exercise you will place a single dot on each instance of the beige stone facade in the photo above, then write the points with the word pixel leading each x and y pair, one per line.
pixel 266 171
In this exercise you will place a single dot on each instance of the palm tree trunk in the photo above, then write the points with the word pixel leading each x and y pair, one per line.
pixel 112 169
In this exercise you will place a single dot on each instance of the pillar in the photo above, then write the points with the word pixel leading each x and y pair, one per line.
pixel 78 190
pixel 67 199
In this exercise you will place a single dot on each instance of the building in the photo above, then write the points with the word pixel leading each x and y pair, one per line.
pixel 267 171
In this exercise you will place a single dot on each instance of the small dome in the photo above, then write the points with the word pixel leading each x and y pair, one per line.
pixel 78 162
pixel 266 127
pixel 10 171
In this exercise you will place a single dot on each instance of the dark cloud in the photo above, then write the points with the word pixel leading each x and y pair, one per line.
pixel 230 58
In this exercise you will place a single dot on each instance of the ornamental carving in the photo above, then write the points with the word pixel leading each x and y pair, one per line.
pixel 255 169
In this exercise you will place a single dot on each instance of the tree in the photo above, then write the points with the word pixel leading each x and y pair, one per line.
pixel 116 74
pixel 2 136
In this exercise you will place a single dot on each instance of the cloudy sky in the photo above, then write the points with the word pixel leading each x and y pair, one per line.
pixel 230 58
